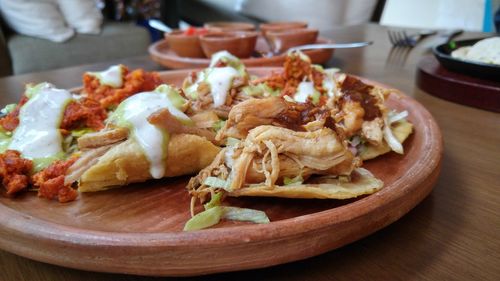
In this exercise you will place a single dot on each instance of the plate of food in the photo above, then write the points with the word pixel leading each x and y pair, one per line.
pixel 193 172
pixel 162 53
pixel 475 57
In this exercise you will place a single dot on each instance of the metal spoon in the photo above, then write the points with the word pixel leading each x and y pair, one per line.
pixel 331 46
pixel 315 46
pixel 156 24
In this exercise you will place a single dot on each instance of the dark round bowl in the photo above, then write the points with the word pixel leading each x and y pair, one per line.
pixel 477 69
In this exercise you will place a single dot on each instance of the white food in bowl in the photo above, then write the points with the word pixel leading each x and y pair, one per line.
pixel 485 51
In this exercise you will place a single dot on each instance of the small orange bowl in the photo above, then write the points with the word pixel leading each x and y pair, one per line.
pixel 185 44
pixel 225 26
pixel 280 41
pixel 238 43
pixel 281 26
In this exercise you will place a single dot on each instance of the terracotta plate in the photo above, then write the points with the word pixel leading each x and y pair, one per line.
pixel 162 54
pixel 138 229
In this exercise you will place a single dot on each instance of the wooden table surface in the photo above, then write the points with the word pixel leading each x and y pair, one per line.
pixel 454 234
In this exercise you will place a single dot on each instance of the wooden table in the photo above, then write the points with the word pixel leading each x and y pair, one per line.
pixel 454 234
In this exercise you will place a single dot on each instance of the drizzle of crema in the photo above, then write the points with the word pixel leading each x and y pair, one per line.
pixel 219 56
pixel 37 135
pixel 152 140
pixel 113 76
pixel 220 80
pixel 304 90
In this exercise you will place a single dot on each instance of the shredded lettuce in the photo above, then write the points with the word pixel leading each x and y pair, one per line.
pixel 245 214
pixel 213 215
pixel 5 138
pixel 260 90
pixel 218 125
pixel 216 182
pixel 80 132
pixel 395 117
pixel 214 201
pixel 391 140
pixel 293 181
pixel 205 219
pixel 315 97
pixel 232 141
pixel 8 108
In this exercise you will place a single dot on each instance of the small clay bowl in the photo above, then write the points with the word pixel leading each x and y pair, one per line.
pixel 280 41
pixel 281 26
pixel 225 26
pixel 185 45
pixel 238 43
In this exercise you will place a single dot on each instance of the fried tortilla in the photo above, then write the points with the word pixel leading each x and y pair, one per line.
pixel 401 130
pixel 362 182
pixel 280 162
pixel 125 163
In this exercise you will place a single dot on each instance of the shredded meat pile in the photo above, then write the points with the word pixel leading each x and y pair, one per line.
pixel 85 113
pixel 14 171
pixel 295 70
pixel 134 82
pixel 10 121
pixel 51 181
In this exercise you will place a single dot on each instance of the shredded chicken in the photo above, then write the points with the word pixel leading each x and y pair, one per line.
pixel 86 160
pixel 164 119
pixel 372 131
pixel 204 99
pixel 250 114
pixel 270 153
pixel 205 119
pixel 102 138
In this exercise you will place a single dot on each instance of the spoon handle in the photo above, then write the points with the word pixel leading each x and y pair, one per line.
pixel 331 46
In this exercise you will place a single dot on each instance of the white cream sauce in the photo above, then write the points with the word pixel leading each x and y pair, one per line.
pixel 220 80
pixel 304 90
pixel 219 55
pixel 113 76
pixel 38 135
pixel 137 109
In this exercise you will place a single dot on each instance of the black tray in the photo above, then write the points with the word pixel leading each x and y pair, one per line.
pixel 476 69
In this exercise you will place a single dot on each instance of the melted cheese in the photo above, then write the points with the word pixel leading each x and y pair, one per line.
pixel 154 142
pixel 220 80
pixel 113 76
pixel 37 135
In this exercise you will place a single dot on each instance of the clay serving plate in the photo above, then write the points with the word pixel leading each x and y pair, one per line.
pixel 162 53
pixel 137 229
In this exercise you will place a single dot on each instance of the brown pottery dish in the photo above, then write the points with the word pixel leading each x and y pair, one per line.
pixel 184 45
pixel 238 43
pixel 223 26
pixel 282 40
pixel 280 26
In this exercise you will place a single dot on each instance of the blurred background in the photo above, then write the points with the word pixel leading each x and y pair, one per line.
pixel 49 34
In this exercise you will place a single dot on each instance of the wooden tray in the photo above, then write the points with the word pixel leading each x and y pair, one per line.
pixel 161 53
pixel 433 78
pixel 138 229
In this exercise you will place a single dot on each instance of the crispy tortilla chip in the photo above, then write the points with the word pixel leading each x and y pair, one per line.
pixel 126 163
pixel 362 182
pixel 401 131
